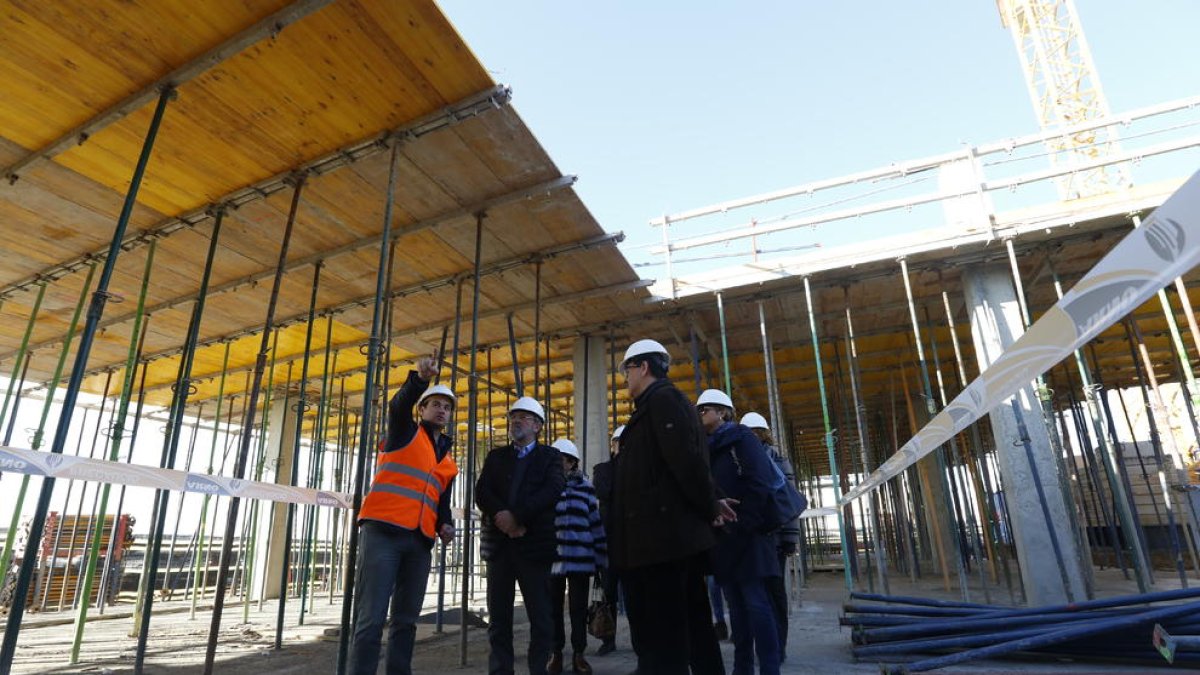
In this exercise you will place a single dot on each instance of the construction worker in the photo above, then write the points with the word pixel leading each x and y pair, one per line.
pixel 407 508
pixel 744 557
pixel 517 490
pixel 787 538
pixel 663 512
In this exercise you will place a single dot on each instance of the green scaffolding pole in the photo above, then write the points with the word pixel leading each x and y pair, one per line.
pixel 833 465
pixel 201 558
pixel 118 428
pixel 6 557
pixel 20 355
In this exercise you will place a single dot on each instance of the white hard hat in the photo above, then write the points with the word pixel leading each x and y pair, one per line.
pixel 566 447
pixel 642 347
pixel 529 405
pixel 753 420
pixel 617 433
pixel 437 390
pixel 714 397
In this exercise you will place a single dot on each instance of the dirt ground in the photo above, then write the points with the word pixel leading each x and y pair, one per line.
pixel 817 644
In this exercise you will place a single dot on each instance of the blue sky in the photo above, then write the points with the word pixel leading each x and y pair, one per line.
pixel 664 106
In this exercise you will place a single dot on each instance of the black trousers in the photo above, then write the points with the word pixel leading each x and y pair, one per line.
pixel 777 593
pixel 611 581
pixel 669 618
pixel 505 570
pixel 578 608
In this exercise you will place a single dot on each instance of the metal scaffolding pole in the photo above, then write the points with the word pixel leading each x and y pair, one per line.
pixel 201 553
pixel 301 407
pixel 833 464
pixel 472 440
pixel 95 312
pixel 939 454
pixel 1113 465
pixel 864 442
pixel 36 441
pixel 1145 372
pixel 183 389
pixel 20 355
pixel 364 447
pixel 724 345
pixel 243 456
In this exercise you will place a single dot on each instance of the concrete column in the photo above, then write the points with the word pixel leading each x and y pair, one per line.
pixel 591 400
pixel 996 324
pixel 281 439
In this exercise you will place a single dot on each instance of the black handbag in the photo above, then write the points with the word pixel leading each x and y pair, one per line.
pixel 601 617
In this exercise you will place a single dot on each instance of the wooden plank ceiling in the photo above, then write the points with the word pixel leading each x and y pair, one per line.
pixel 343 78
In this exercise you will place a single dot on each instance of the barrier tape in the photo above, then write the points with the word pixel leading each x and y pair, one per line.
pixel 37 463
pixel 1166 246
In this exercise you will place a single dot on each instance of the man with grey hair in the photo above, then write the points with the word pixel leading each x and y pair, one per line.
pixel 517 490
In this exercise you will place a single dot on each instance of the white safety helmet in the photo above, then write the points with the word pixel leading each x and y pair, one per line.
pixel 437 390
pixel 714 397
pixel 529 405
pixel 567 448
pixel 617 433
pixel 753 420
pixel 642 347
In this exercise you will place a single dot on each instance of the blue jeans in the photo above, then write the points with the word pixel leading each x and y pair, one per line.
pixel 393 569
pixel 752 625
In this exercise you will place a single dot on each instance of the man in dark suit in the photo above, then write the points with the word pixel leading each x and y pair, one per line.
pixel 516 492
pixel 664 507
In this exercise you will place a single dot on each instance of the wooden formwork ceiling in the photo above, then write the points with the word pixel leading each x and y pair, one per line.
pixel 324 99
pixel 890 386
pixel 329 93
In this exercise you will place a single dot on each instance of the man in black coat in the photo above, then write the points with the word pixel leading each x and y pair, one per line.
pixel 663 510
pixel 516 492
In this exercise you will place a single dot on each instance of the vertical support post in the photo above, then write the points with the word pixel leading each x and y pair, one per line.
pixel 512 348
pixel 776 422
pixel 833 464
pixel 17 609
pixel 1122 503
pixel 724 345
pixel 995 325
pixel 183 389
pixel 537 326
pixel 364 445
pixel 243 456
pixel 863 444
pixel 20 356
pixel 472 440
pixel 939 491
pixel 301 408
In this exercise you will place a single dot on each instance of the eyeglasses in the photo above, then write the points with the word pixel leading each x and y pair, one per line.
pixel 522 417
pixel 704 410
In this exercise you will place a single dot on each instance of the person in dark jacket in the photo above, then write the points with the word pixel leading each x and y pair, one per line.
pixel 609 579
pixel 397 525
pixel 663 511
pixel 516 492
pixel 744 557
pixel 582 553
pixel 787 538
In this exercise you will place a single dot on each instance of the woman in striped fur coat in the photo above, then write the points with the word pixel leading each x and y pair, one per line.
pixel 582 552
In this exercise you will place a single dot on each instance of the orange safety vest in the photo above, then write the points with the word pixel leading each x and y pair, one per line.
pixel 408 483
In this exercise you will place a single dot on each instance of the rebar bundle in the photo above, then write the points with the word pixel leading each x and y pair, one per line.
pixel 909 635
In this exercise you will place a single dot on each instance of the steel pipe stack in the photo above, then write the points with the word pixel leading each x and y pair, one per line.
pixel 909 635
